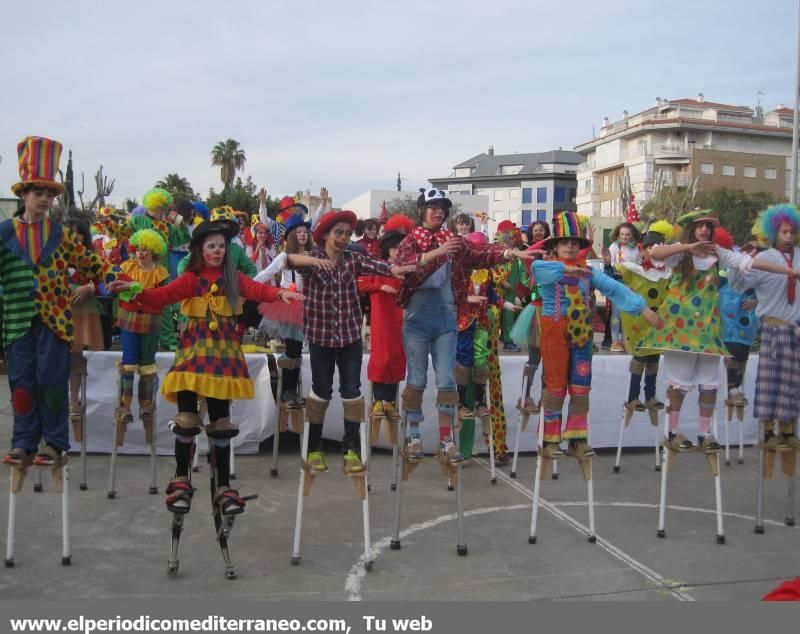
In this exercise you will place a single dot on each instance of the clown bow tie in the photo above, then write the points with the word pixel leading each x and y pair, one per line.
pixel 425 238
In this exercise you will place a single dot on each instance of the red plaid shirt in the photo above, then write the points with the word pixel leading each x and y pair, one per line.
pixel 332 315
pixel 470 256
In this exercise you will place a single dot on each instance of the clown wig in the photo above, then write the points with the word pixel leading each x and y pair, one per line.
pixel 773 217
pixel 664 228
pixel 149 240
pixel 723 238
pixel 157 198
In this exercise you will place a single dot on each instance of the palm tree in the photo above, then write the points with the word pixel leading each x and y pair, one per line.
pixel 230 158
pixel 179 187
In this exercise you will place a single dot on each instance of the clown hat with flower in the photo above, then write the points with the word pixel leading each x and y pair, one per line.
pixel 38 159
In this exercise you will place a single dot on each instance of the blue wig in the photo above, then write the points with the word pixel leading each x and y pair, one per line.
pixel 201 210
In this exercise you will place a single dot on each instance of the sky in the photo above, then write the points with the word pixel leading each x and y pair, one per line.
pixel 346 93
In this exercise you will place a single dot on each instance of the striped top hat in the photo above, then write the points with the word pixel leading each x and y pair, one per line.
pixel 567 225
pixel 38 164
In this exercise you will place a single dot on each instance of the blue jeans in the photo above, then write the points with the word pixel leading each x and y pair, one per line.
pixel 429 328
pixel 38 375
pixel 325 360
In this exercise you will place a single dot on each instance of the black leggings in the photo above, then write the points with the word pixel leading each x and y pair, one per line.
pixel 217 408
pixel 384 392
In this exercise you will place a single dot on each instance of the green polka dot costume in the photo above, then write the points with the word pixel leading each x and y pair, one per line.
pixel 691 317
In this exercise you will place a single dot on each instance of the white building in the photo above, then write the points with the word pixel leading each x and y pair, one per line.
pixel 680 140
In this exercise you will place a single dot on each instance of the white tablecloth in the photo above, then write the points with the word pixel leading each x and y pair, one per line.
pixel 257 418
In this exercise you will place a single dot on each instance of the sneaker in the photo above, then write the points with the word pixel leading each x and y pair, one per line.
pixel 708 444
pixel 605 345
pixel 413 448
pixel 50 457
pixel 351 463
pixel 679 442
pixel 617 347
pixel 18 457
pixel 378 410
pixel 465 412
pixel 316 460
pixel 502 460
pixel 288 396
pixel 390 411
pixel 511 347
pixel 449 451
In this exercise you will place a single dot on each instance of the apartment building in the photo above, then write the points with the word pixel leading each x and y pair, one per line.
pixel 678 140
pixel 519 187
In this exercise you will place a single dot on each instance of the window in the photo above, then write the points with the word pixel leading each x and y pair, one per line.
pixel 750 172
pixel 560 195
pixel 770 173
pixel 573 193
pixel 527 195
pixel 605 184
pixel 642 146
pixel 706 168
pixel 499 194
pixel 541 214
pixel 541 194
pixel 526 217
pixel 728 170
pixel 510 169
pixel 514 194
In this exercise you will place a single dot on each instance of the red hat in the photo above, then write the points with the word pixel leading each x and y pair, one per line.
pixel 400 222
pixel 287 202
pixel 477 237
pixel 506 225
pixel 331 218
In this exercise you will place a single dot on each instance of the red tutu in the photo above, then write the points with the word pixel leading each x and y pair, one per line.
pixel 282 320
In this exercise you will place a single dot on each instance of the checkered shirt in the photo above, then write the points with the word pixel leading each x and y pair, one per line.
pixel 332 316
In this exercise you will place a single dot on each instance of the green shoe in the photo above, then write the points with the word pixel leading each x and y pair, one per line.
pixel 351 463
pixel 316 460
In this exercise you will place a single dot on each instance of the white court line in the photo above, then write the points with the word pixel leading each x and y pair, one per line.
pixel 352 584
pixel 674 587
pixel 692 509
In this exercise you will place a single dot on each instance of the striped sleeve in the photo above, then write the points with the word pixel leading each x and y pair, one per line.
pixel 16 278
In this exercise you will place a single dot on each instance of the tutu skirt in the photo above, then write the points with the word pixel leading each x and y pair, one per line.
pixel 526 329
pixel 281 320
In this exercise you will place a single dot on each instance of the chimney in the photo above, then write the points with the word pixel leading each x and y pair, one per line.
pixel 491 150
pixel 701 97
pixel 625 114
pixel 658 101
pixel 605 123
pixel 780 106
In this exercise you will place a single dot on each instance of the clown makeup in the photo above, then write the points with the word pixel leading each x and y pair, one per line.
pixel 338 237
pixel 145 258
pixel 567 249
pixel 214 249
pixel 785 239
pixel 433 217
pixel 261 234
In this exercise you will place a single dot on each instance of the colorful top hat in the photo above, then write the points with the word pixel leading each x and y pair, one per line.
pixel 567 225
pixel 38 159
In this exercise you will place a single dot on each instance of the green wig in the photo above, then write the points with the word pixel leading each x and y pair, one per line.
pixel 150 240
pixel 157 198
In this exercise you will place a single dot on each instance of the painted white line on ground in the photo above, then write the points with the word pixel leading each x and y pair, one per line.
pixel 691 509
pixel 352 584
pixel 675 588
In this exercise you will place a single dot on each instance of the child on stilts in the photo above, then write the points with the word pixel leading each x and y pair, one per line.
pixel 209 362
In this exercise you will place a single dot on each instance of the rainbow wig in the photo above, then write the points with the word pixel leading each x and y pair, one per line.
pixel 773 217
pixel 150 240
pixel 664 228
pixel 157 198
